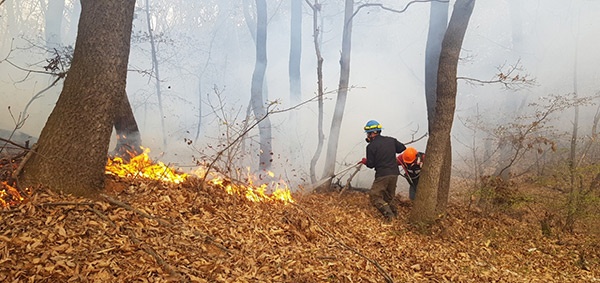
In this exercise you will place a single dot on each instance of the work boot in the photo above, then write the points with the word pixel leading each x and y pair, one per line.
pixel 387 212
pixel 394 210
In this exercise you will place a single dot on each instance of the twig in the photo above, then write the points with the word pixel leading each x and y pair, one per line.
pixel 15 174
pixel 212 240
pixel 350 179
pixel 131 208
pixel 386 276
pixel 65 203
pixel 14 143
pixel 103 216
pixel 156 257
pixel 392 9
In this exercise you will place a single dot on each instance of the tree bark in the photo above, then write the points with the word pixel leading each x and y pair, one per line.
pixel 424 209
pixel 295 52
pixel 294 77
pixel 72 148
pixel 320 136
pixel 156 76
pixel 129 140
pixel 258 107
pixel 438 20
pixel 340 103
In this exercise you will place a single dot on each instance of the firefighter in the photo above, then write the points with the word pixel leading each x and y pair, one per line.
pixel 381 156
pixel 411 161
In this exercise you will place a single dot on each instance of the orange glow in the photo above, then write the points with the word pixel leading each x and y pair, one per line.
pixel 255 193
pixel 9 196
pixel 142 166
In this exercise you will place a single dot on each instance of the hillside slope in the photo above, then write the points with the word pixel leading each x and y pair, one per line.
pixel 144 231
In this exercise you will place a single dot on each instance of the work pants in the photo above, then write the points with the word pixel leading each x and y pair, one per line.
pixel 382 195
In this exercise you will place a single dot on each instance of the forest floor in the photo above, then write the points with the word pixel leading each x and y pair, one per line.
pixel 148 231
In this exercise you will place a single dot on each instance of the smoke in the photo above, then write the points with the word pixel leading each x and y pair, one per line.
pixel 206 58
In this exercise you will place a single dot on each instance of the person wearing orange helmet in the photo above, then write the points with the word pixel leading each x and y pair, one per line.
pixel 381 155
pixel 411 161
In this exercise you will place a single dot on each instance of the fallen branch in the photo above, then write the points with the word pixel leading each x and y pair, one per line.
pixel 103 216
pixel 350 179
pixel 131 208
pixel 15 174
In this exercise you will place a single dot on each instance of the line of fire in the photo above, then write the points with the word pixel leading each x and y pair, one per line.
pixel 143 167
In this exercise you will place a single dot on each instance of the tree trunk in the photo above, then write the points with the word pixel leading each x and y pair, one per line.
pixel 424 209
pixel 72 149
pixel 320 136
pixel 438 19
pixel 54 17
pixel 340 103
pixel 156 77
pixel 129 141
pixel 294 76
pixel 295 52
pixel 264 127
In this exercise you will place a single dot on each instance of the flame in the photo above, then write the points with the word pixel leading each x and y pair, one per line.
pixel 142 166
pixel 9 195
pixel 253 192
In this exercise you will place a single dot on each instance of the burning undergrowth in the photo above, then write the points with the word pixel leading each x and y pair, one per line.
pixel 157 231
pixel 142 167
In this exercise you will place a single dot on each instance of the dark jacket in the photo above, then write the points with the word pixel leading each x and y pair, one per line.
pixel 413 169
pixel 381 155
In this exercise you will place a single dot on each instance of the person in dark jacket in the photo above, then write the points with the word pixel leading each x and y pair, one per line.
pixel 381 156
pixel 411 161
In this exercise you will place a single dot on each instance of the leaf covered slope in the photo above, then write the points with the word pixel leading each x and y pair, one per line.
pixel 152 232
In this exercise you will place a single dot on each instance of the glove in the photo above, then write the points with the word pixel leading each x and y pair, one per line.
pixel 363 161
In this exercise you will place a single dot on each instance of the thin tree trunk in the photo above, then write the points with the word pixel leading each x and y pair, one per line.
pixel 340 104
pixel 295 53
pixel 320 136
pixel 54 17
pixel 258 107
pixel 156 76
pixel 129 140
pixel 425 206
pixel 294 77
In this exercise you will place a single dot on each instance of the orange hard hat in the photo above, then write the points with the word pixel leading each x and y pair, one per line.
pixel 409 155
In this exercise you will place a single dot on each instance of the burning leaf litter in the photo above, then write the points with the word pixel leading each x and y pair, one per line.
pixel 175 232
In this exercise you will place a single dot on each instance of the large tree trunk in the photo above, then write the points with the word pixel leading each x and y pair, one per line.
pixel 424 210
pixel 438 20
pixel 72 149
pixel 340 103
pixel 258 107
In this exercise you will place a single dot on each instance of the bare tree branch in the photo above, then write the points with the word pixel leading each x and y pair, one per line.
pixel 392 9
pixel 509 77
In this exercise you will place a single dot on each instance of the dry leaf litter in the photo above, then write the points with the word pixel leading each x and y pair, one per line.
pixel 147 231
